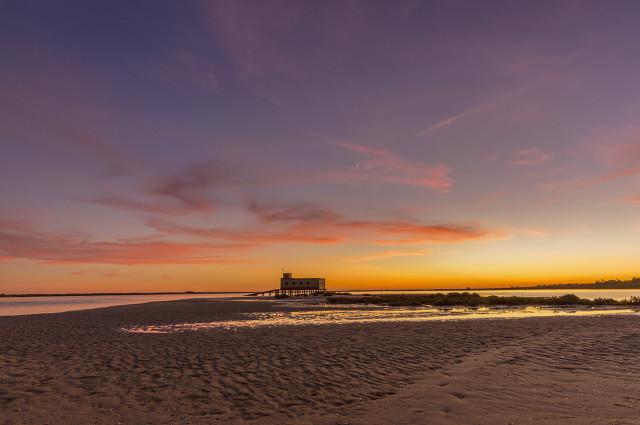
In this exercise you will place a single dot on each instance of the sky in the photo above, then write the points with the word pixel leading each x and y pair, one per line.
pixel 208 145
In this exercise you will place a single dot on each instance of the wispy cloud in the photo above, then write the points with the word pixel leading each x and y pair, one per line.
pixel 634 200
pixel 190 190
pixel 299 223
pixel 195 188
pixel 404 232
pixel 254 34
pixel 20 239
pixel 386 255
pixel 623 157
pixel 303 212
pixel 384 165
pixel 188 69
pixel 505 98
pixel 447 121
pixel 615 158
pixel 490 198
pixel 309 223
pixel 262 39
pixel 388 231
pixel 155 205
pixel 58 108
pixel 530 157
pixel 255 235
pixel 189 187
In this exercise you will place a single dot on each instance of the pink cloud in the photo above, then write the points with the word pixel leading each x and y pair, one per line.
pixel 530 157
pixel 253 34
pixel 306 212
pixel 285 223
pixel 309 219
pixel 157 205
pixel 532 233
pixel 616 159
pixel 308 223
pixel 634 200
pixel 491 198
pixel 19 239
pixel 190 190
pixel 300 222
pixel 195 188
pixel 383 165
pixel 255 235
pixel 446 122
pixel 386 255
pixel 404 232
pixel 623 158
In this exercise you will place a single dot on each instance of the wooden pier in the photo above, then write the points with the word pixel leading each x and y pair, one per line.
pixel 288 292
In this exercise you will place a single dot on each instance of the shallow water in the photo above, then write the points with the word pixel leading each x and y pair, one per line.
pixel 11 306
pixel 362 314
pixel 16 306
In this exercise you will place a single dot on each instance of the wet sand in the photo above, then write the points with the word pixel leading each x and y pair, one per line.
pixel 81 368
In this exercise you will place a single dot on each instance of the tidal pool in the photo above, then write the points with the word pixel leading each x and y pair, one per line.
pixel 330 315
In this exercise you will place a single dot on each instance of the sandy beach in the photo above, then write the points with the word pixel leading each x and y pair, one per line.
pixel 82 368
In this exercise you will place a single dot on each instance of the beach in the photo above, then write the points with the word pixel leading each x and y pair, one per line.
pixel 82 367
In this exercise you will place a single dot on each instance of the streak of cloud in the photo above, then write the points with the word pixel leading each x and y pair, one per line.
pixel 329 222
pixel 450 120
pixel 634 200
pixel 19 239
pixel 384 165
pixel 386 255
pixel 309 223
pixel 530 157
pixel 50 110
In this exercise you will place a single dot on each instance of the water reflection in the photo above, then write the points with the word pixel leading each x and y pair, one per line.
pixel 17 306
pixel 360 314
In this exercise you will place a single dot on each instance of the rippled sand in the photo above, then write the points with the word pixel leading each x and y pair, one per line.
pixel 81 368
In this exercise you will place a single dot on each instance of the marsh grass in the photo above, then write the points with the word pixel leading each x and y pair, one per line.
pixel 468 299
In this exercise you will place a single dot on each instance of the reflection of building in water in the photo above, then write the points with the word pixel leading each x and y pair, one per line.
pixel 287 281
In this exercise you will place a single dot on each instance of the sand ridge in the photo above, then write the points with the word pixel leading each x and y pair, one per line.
pixel 80 368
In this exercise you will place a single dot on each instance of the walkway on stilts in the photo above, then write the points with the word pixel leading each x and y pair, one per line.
pixel 288 292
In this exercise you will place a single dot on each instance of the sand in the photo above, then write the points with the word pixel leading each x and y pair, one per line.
pixel 81 368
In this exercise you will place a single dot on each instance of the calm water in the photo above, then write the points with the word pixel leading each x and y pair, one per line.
pixel 36 305
pixel 330 315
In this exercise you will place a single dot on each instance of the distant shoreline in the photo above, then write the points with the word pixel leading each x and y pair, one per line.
pixel 509 288
pixel 99 294
pixel 608 284
pixel 632 284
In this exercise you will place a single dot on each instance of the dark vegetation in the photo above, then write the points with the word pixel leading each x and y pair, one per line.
pixel 468 299
pixel 633 283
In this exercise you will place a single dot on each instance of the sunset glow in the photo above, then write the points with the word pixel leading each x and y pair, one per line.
pixel 205 146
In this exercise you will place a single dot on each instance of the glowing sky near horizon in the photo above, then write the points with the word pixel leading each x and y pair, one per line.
pixel 163 145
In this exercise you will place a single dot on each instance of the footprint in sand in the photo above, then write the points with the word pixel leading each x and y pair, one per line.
pixel 458 395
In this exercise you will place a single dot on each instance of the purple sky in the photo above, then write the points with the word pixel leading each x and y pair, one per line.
pixel 156 145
